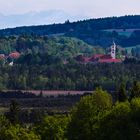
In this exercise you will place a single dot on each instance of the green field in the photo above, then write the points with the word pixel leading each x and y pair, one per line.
pixel 132 47
pixel 124 32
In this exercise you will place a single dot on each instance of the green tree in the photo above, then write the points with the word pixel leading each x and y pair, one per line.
pixel 86 114
pixel 135 106
pixel 22 84
pixel 17 133
pixel 122 93
pixel 53 128
pixel 40 82
pixel 118 124
pixel 135 92
pixel 4 123
pixel 14 112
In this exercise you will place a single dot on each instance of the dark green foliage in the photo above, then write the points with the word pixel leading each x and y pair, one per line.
pixel 15 132
pixel 53 128
pixel 45 50
pixel 122 93
pixel 18 133
pixel 36 116
pixel 72 76
pixel 54 46
pixel 117 124
pixel 136 52
pixel 93 31
pixel 14 112
pixel 95 117
pixel 135 92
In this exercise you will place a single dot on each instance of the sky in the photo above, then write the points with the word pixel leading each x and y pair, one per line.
pixel 79 9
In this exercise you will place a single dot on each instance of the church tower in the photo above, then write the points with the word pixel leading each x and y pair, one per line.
pixel 113 51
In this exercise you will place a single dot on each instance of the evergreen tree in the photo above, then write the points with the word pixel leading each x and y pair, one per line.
pixel 122 93
pixel 14 112
pixel 135 92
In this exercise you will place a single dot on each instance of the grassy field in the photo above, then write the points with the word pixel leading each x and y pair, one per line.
pixel 125 32
pixel 130 48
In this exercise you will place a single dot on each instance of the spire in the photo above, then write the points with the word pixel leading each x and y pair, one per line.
pixel 114 43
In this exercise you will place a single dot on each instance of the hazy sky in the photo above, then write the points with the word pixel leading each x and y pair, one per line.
pixel 15 13
pixel 89 8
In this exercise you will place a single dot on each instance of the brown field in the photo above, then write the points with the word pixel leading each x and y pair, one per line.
pixel 54 92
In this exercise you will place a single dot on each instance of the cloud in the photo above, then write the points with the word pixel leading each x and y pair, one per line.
pixel 89 7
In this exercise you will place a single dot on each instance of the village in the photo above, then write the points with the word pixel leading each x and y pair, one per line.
pixel 101 58
pixel 94 59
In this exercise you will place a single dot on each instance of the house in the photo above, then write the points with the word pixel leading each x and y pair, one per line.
pixel 14 55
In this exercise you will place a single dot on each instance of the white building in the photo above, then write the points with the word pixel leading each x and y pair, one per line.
pixel 113 51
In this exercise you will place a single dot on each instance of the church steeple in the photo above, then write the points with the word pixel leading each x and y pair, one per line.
pixel 113 51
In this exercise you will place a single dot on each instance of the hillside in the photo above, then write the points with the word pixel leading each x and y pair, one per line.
pixel 126 22
pixel 45 49
pixel 95 32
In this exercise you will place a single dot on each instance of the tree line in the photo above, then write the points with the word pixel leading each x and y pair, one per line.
pixel 124 22
pixel 71 76
pixel 91 31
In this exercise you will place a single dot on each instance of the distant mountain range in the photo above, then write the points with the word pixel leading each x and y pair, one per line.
pixel 37 18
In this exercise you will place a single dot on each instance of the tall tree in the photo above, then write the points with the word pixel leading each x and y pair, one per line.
pixel 14 112
pixel 122 93
pixel 86 114
pixel 135 92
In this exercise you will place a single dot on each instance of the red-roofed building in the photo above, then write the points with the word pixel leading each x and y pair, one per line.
pixel 97 56
pixel 110 61
pixel 106 57
pixel 14 55
pixel 101 58
pixel 81 58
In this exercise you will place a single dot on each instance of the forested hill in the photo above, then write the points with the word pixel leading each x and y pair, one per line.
pixel 47 47
pixel 124 22
pixel 125 31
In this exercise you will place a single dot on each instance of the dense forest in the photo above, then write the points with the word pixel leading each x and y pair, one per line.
pixel 62 47
pixel 71 76
pixel 47 58
pixel 48 63
pixel 53 49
